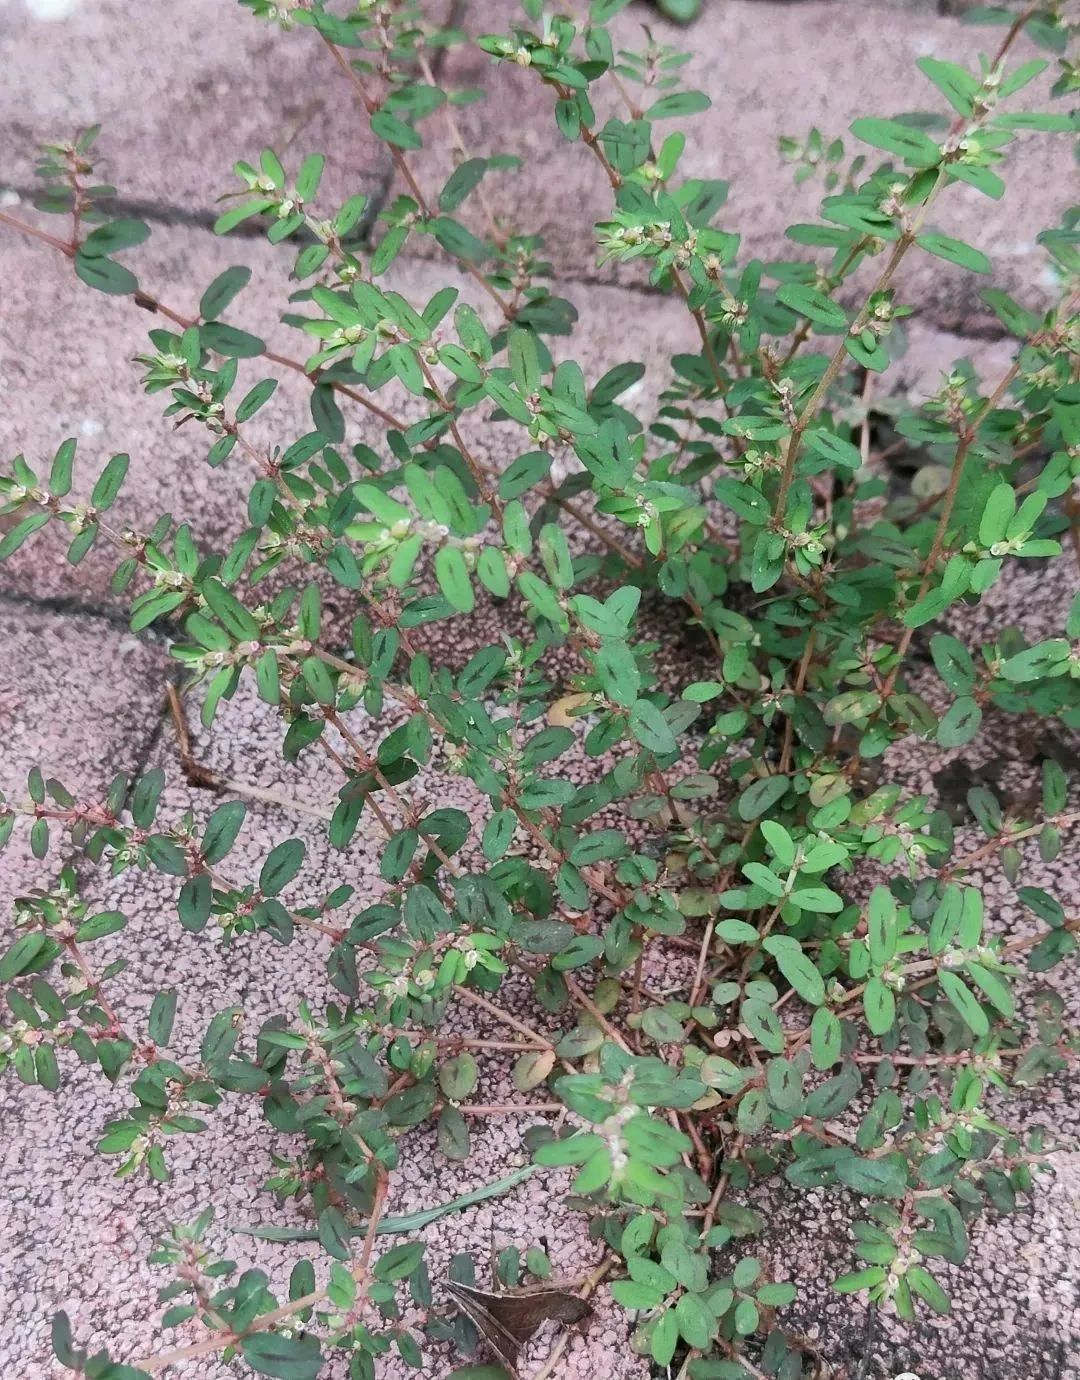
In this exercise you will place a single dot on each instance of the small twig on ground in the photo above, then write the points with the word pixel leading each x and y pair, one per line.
pixel 588 1288
pixel 204 778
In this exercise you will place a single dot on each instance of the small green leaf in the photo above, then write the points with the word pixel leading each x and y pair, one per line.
pixel 16 535
pixel 879 1003
pixel 524 360
pixel 813 304
pixel 100 926
pixel 457 1076
pixel 907 142
pixel 452 573
pixel 221 830
pixel 960 723
pixel 826 1038
pixel 252 401
pixel 281 866
pixel 958 86
pixel 465 178
pixel 30 953
pixel 231 342
pixel 798 969
pixel 651 729
pixel 875 1178
pixel 393 131
pixel 923 1283
pixel 162 1014
pixel 114 236
pixel 334 1233
pixel 452 1134
pixel 954 251
pixel 696 1322
pixel 965 1003
pixel 110 481
pixel 679 103
pixel 761 795
pixel 60 472
pixel 105 275
pixel 281 1357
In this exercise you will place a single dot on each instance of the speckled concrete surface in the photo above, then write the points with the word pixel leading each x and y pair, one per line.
pixel 104 684
pixel 83 698
pixel 183 96
pixel 101 404
pixel 92 1260
pixel 752 61
pixel 75 1237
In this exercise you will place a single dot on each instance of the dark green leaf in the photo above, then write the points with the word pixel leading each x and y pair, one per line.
pixel 910 144
pixel 281 1357
pixel 113 237
pixel 394 131
pixel 105 275
pixel 761 796
pixel 221 292
pixel 955 251
pixel 651 729
pixel 282 865
pixel 680 103
pixel 162 1014
pixel 875 1178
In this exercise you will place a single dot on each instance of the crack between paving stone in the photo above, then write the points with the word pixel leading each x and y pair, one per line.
pixel 153 636
pixel 153 738
pixel 69 607
pixel 87 871
pixel 165 213
pixel 168 213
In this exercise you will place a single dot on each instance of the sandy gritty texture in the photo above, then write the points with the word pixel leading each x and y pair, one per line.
pixel 227 89
pixel 77 1238
pixel 752 61
pixel 96 1268
pixel 103 406
pixel 83 698
pixel 1015 1314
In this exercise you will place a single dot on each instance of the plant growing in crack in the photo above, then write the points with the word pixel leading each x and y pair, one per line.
pixel 843 1012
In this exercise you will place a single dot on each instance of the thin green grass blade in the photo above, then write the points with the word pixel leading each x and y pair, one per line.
pixel 412 1221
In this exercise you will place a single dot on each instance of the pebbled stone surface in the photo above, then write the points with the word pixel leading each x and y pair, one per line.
pixel 753 61
pixel 56 387
pixel 1016 1311
pixel 175 118
pixel 83 698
